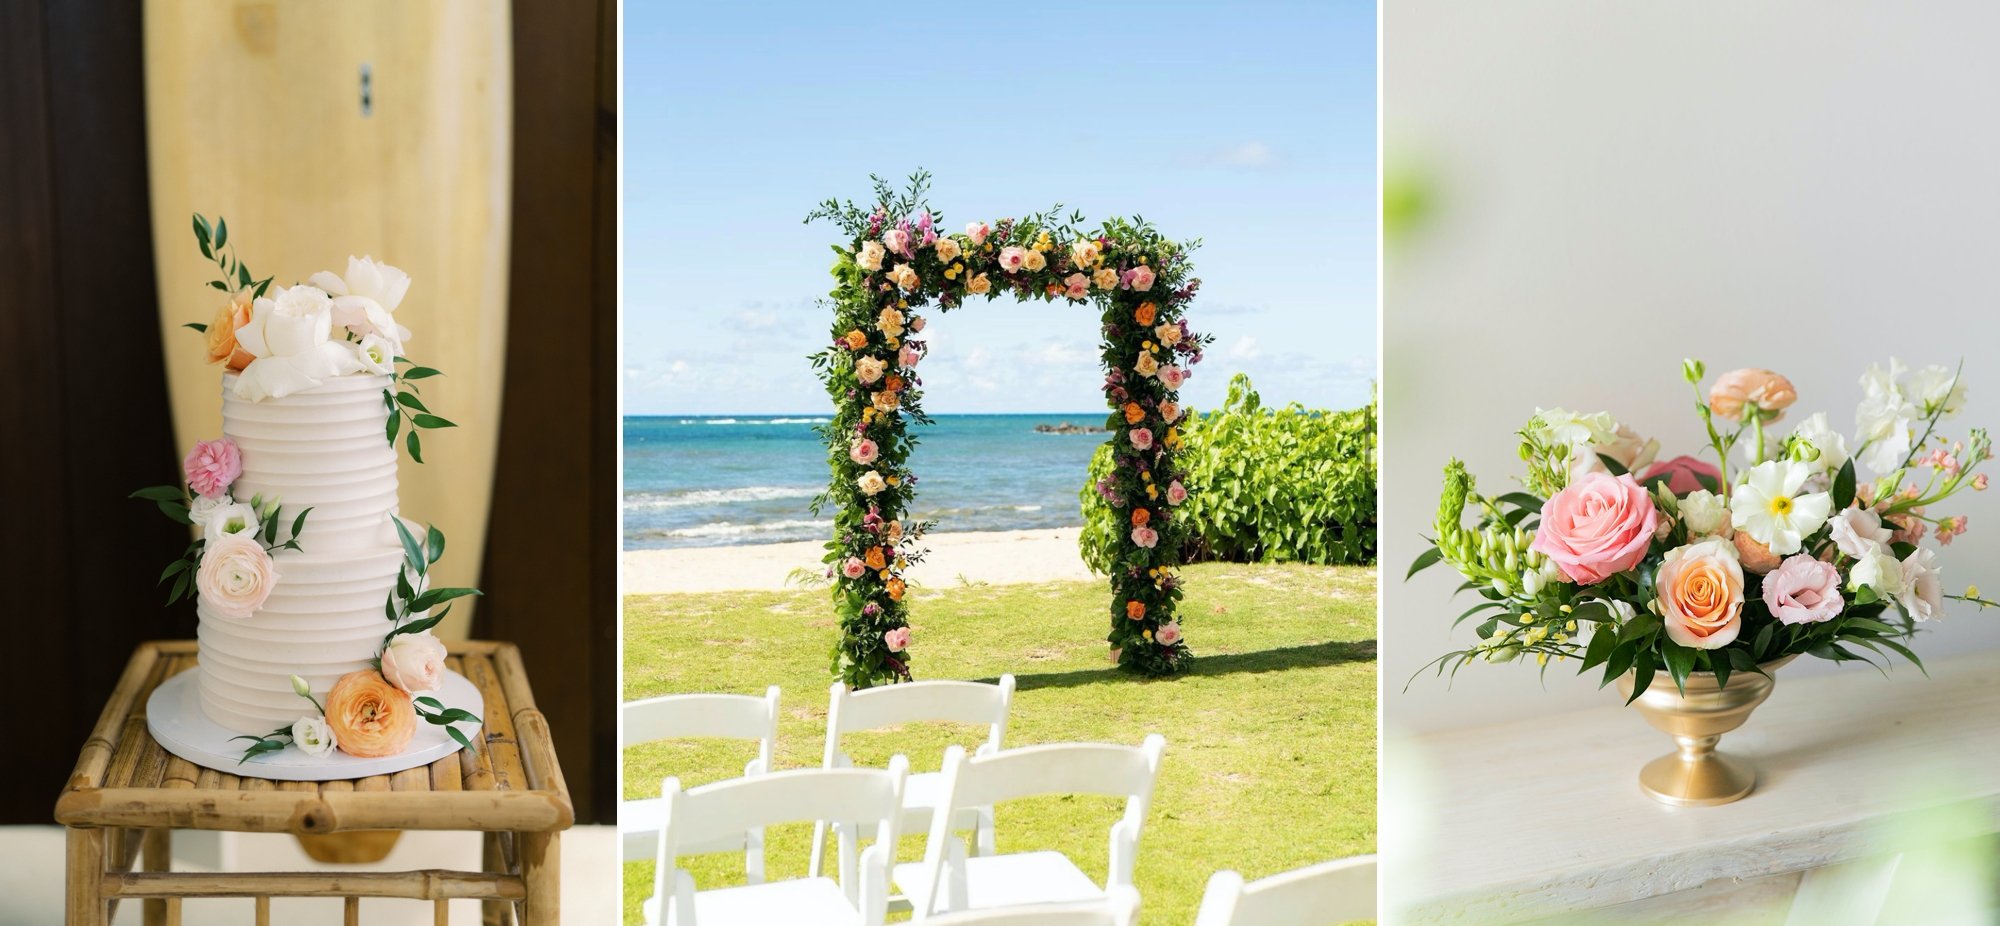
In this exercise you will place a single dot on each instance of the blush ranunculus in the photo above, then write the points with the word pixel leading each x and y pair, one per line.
pixel 1597 527
pixel 370 717
pixel 414 662
pixel 1803 590
pixel 236 575
pixel 1701 594
pixel 1765 389
pixel 211 466
pixel 1682 473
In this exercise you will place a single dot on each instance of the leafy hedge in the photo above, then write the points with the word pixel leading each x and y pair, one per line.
pixel 1272 485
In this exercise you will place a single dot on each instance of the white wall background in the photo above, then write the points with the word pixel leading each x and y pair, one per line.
pixel 1806 186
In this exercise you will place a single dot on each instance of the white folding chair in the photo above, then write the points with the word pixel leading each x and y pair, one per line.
pixel 915 702
pixel 704 814
pixel 1120 907
pixel 948 881
pixel 724 716
pixel 1339 891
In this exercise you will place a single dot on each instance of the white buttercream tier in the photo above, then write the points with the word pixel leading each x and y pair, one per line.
pixel 327 449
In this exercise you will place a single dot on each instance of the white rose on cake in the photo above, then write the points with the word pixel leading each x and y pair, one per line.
pixel 365 300
pixel 414 662
pixel 291 337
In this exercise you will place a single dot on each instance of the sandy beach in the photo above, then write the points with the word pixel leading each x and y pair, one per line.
pixel 995 557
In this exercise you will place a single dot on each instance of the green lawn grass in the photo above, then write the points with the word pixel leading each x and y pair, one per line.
pixel 1270 760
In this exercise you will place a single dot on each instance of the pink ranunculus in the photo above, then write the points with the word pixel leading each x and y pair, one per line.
pixel 1013 258
pixel 414 662
pixel 1138 279
pixel 1145 537
pixel 1173 376
pixel 212 465
pixel 908 356
pixel 1168 634
pixel 1803 590
pixel 854 568
pixel 863 451
pixel 897 640
pixel 1142 438
pixel 1682 472
pixel 1077 286
pixel 1598 527
pixel 1176 493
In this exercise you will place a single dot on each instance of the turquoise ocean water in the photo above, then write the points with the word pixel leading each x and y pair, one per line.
pixel 722 480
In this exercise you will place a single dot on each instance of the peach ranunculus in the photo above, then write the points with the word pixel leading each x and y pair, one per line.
pixel 1145 314
pixel 222 346
pixel 414 662
pixel 370 717
pixel 1755 556
pixel 1598 527
pixel 1683 474
pixel 1701 594
pixel 1770 392
pixel 236 575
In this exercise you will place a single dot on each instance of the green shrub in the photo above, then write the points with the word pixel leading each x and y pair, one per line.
pixel 1267 485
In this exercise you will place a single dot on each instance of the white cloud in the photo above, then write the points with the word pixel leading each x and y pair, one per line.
pixel 1245 348
pixel 1245 155
pixel 756 319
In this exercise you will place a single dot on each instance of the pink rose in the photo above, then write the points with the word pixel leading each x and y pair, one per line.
pixel 1176 493
pixel 1012 259
pixel 1145 536
pixel 908 356
pixel 1142 438
pixel 1803 591
pixel 897 241
pixel 1168 634
pixel 1078 286
pixel 917 323
pixel 414 662
pixel 1598 527
pixel 1170 412
pixel 1138 278
pixel 896 640
pixel 235 575
pixel 1173 376
pixel 863 451
pixel 977 231
pixel 854 568
pixel 212 465
pixel 1701 594
pixel 1682 472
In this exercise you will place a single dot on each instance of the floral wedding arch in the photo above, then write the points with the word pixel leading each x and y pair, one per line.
pixel 897 261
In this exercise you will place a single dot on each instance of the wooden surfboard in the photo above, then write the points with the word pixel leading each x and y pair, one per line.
pixel 321 129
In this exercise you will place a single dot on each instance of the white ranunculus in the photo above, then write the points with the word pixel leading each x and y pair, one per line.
pixel 1922 594
pixel 1883 420
pixel 1878 570
pixel 1858 532
pixel 1773 510
pixel 376 354
pixel 291 337
pixel 233 518
pixel 1937 387
pixel 1706 514
pixel 313 736
pixel 365 300
pixel 1832 446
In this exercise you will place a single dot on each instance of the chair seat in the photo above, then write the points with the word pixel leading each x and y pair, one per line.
pixel 922 793
pixel 1008 880
pixel 639 832
pixel 802 901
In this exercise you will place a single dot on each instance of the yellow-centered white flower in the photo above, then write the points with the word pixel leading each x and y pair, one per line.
pixel 1773 510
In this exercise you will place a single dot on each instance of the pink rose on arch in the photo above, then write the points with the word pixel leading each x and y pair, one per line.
pixel 908 356
pixel 977 231
pixel 1077 286
pixel 917 323
pixel 854 568
pixel 1173 376
pixel 1013 258
pixel 1142 438
pixel 1803 590
pixel 897 640
pixel 1139 279
pixel 1168 634
pixel 211 466
pixel 897 241
pixel 1145 537
pixel 863 451
pixel 1176 493
pixel 1682 472
pixel 1598 527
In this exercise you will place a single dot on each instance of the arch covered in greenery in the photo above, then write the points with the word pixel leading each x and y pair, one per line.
pixel 898 261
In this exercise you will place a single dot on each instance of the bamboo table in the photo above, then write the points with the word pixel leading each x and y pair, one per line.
pixel 128 795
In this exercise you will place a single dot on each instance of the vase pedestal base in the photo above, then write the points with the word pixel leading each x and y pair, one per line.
pixel 1713 778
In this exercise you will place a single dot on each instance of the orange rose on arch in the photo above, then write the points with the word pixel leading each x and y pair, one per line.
pixel 222 346
pixel 875 559
pixel 1135 609
pixel 369 717
pixel 896 588
pixel 894 383
pixel 1133 413
pixel 1140 516
pixel 856 340
pixel 1147 311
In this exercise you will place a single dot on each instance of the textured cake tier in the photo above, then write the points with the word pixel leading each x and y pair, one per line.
pixel 324 449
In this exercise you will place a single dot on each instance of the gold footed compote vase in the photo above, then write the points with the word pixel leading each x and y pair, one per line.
pixel 1696 775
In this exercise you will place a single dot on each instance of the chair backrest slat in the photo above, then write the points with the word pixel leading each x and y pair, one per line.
pixel 709 812
pixel 916 702
pixel 1059 768
pixel 1330 892
pixel 702 715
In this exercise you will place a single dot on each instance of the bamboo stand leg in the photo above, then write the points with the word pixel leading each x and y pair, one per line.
pixel 157 854
pixel 493 912
pixel 85 897
pixel 541 875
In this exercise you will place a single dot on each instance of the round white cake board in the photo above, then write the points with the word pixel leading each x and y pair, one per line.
pixel 175 718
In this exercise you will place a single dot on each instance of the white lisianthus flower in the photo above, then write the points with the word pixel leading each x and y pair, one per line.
pixel 1831 445
pixel 1884 419
pixel 233 518
pixel 1770 507
pixel 205 508
pixel 1937 388
pixel 376 354
pixel 365 299
pixel 1705 514
pixel 1922 594
pixel 1858 532
pixel 313 737
pixel 1878 570
pixel 291 337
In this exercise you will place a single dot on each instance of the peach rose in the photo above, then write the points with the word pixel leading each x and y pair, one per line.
pixel 1763 388
pixel 1105 278
pixel 856 340
pixel 1140 516
pixel 1084 252
pixel 1034 260
pixel 896 589
pixel 905 277
pixel 979 285
pixel 414 662
pixel 870 256
pixel 1170 412
pixel 1077 286
pixel 222 346
pixel 1133 413
pixel 1135 609
pixel 1169 334
pixel 370 717
pixel 875 559
pixel 1701 594
pixel 1598 527
pixel 885 401
pixel 1139 278
pixel 947 249
pixel 1147 364
pixel 868 369
pixel 1145 314
pixel 235 575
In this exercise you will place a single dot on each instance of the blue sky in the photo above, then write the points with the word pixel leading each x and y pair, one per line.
pixel 1248 125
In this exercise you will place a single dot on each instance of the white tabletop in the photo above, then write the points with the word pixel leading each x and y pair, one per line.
pixel 1523 820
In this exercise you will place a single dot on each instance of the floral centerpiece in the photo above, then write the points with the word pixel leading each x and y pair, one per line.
pixel 1707 574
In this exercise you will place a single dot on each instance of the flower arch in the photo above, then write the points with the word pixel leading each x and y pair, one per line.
pixel 899 260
